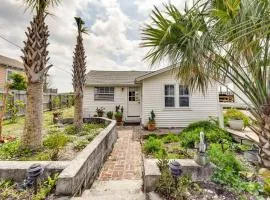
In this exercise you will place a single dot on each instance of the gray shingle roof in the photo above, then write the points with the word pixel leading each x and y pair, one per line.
pixel 10 62
pixel 113 77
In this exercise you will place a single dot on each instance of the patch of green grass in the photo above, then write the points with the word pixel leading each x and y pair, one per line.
pixel 153 145
pixel 170 138
pixel 16 129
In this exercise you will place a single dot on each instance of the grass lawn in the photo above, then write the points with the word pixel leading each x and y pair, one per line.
pixel 16 129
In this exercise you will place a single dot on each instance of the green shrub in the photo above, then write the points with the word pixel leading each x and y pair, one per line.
pixel 91 127
pixel 170 138
pixel 224 159
pixel 80 144
pixel 53 130
pixel 237 115
pixel 41 156
pixel 10 150
pixel 213 134
pixel 55 142
pixel 152 145
pixel 167 187
pixel 13 109
pixel 110 114
pixel 46 188
pixel 228 168
pixel 71 130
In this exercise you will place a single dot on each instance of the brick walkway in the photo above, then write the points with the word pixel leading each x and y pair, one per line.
pixel 125 162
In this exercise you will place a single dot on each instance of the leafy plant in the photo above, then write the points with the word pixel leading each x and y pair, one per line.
pixel 170 138
pixel 71 130
pixel 117 108
pixel 56 142
pixel 18 82
pixel 56 102
pixel 169 189
pixel 228 168
pixel 46 188
pixel 151 119
pixel 100 111
pixel 110 114
pixel 80 144
pixel 118 116
pixel 152 145
pixel 213 134
pixel 13 109
pixel 10 150
pixel 237 115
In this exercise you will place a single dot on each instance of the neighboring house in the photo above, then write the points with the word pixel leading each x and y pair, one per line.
pixel 7 67
pixel 141 92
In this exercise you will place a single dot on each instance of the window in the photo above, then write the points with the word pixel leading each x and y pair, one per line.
pixel 183 96
pixel 8 75
pixel 169 96
pixel 133 94
pixel 104 94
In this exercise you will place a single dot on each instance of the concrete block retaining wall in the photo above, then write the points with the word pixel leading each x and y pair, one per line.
pixel 82 171
pixel 188 166
pixel 16 170
pixel 75 174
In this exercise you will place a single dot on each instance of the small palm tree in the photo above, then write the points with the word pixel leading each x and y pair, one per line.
pixel 79 73
pixel 217 40
pixel 35 60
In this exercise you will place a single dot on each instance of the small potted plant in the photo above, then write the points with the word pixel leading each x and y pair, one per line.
pixel 110 114
pixel 236 119
pixel 119 114
pixel 151 126
pixel 100 111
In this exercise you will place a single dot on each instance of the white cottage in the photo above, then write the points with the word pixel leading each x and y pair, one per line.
pixel 140 92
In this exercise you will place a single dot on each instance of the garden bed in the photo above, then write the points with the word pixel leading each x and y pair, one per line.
pixel 66 151
pixel 61 143
pixel 234 173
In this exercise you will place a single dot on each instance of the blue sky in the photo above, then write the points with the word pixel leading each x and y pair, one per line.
pixel 112 43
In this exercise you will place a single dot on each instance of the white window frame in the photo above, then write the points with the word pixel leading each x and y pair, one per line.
pixel 164 92
pixel 7 72
pixel 183 95
pixel 109 94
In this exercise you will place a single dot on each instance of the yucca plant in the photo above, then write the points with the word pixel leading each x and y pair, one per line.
pixel 214 41
pixel 35 60
pixel 79 73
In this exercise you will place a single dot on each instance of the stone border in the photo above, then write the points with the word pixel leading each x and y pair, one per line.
pixel 82 170
pixel 188 166
pixel 16 170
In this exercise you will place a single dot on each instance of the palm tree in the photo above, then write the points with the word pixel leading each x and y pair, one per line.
pixel 216 40
pixel 79 69
pixel 35 59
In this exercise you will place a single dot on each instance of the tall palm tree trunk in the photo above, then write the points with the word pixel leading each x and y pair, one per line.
pixel 79 69
pixel 78 110
pixel 35 60
pixel 32 135
pixel 264 141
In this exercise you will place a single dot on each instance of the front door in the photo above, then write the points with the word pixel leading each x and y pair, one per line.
pixel 134 102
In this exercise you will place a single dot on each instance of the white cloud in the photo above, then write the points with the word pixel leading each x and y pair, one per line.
pixel 108 45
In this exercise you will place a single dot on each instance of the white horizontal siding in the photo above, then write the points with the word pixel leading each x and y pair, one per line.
pixel 201 107
pixel 90 105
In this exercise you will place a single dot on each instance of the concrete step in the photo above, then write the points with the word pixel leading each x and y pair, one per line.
pixel 114 190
